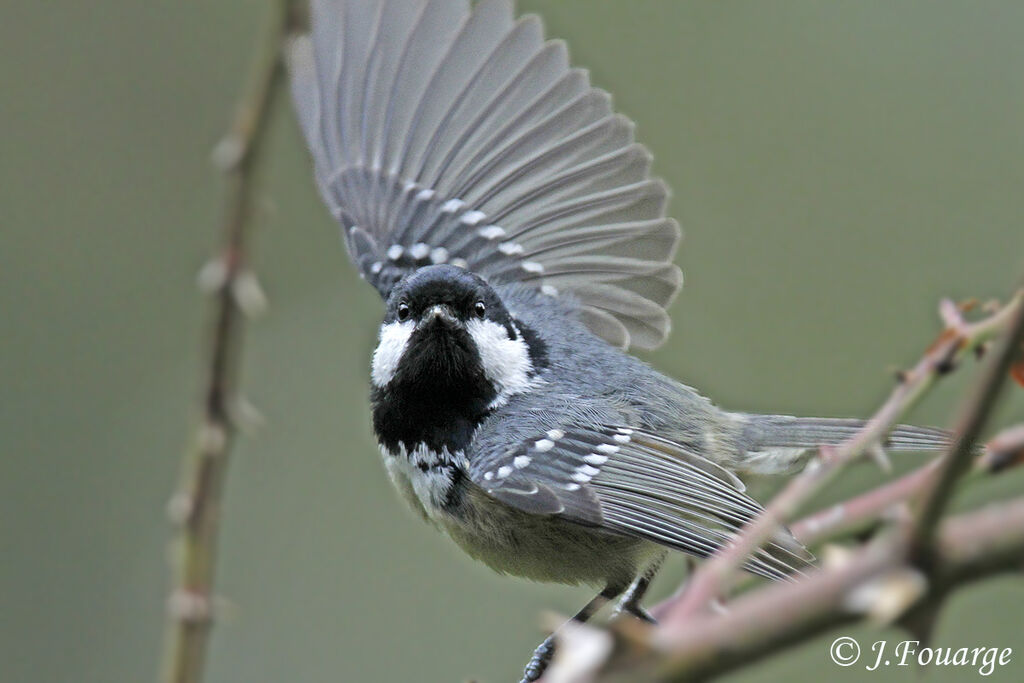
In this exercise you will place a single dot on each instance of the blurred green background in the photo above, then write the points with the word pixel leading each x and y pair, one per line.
pixel 837 167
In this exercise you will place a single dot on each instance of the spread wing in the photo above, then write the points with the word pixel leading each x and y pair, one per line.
pixel 442 134
pixel 634 483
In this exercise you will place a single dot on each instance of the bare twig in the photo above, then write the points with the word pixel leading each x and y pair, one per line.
pixel 1004 450
pixel 956 340
pixel 196 507
pixel 871 583
pixel 969 547
pixel 957 460
pixel 867 507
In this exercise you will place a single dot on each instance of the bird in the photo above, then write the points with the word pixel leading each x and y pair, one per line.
pixel 511 224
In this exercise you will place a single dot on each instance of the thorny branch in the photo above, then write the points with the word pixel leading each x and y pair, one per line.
pixel 710 581
pixel 872 584
pixel 236 294
pixel 874 580
pixel 954 463
pixel 890 500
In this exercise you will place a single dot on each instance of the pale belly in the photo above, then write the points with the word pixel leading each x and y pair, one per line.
pixel 537 547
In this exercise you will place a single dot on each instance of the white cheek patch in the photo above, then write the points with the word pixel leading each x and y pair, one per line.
pixel 506 362
pixel 394 337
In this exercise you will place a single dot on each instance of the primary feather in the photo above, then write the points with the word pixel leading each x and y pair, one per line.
pixel 627 480
pixel 445 135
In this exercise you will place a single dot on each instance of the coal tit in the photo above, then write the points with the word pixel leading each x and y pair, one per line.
pixel 508 218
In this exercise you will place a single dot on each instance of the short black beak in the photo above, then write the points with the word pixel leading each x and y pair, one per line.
pixel 438 314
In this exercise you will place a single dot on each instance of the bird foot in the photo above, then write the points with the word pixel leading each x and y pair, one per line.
pixel 540 660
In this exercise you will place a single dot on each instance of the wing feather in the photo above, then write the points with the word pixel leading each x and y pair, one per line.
pixel 441 133
pixel 635 483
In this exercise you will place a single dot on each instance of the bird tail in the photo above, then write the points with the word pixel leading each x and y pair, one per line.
pixel 776 444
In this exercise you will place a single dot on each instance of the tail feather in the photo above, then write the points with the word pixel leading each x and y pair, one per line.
pixel 786 431
pixel 779 443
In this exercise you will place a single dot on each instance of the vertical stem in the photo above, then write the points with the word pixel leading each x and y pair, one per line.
pixel 196 507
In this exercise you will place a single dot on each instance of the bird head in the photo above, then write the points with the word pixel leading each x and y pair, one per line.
pixel 448 334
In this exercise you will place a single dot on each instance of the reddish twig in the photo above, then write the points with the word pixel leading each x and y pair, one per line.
pixel 957 339
pixel 871 583
pixel 957 459
pixel 969 547
pixel 861 509
pixel 1004 450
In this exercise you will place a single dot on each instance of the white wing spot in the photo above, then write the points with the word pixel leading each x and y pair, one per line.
pixel 595 459
pixel 419 250
pixel 607 448
pixel 472 217
pixel 491 232
pixel 544 445
pixel 461 263
pixel 488 475
pixel 425 195
pixel 395 252
pixel 571 487
pixel 556 434
pixel 549 290
pixel 533 267
pixel 581 477
pixel 375 268
pixel 452 205
pixel 624 430
pixel 409 186
pixel 504 471
pixel 439 255
pixel 521 461
pixel 621 438
pixel 510 248
pixel 587 470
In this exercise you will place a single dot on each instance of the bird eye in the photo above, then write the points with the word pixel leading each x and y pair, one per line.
pixel 403 311
pixel 480 309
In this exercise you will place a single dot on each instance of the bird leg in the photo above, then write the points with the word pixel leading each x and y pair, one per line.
pixel 629 603
pixel 546 650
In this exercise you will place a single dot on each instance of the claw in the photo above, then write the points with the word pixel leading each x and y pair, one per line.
pixel 540 660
